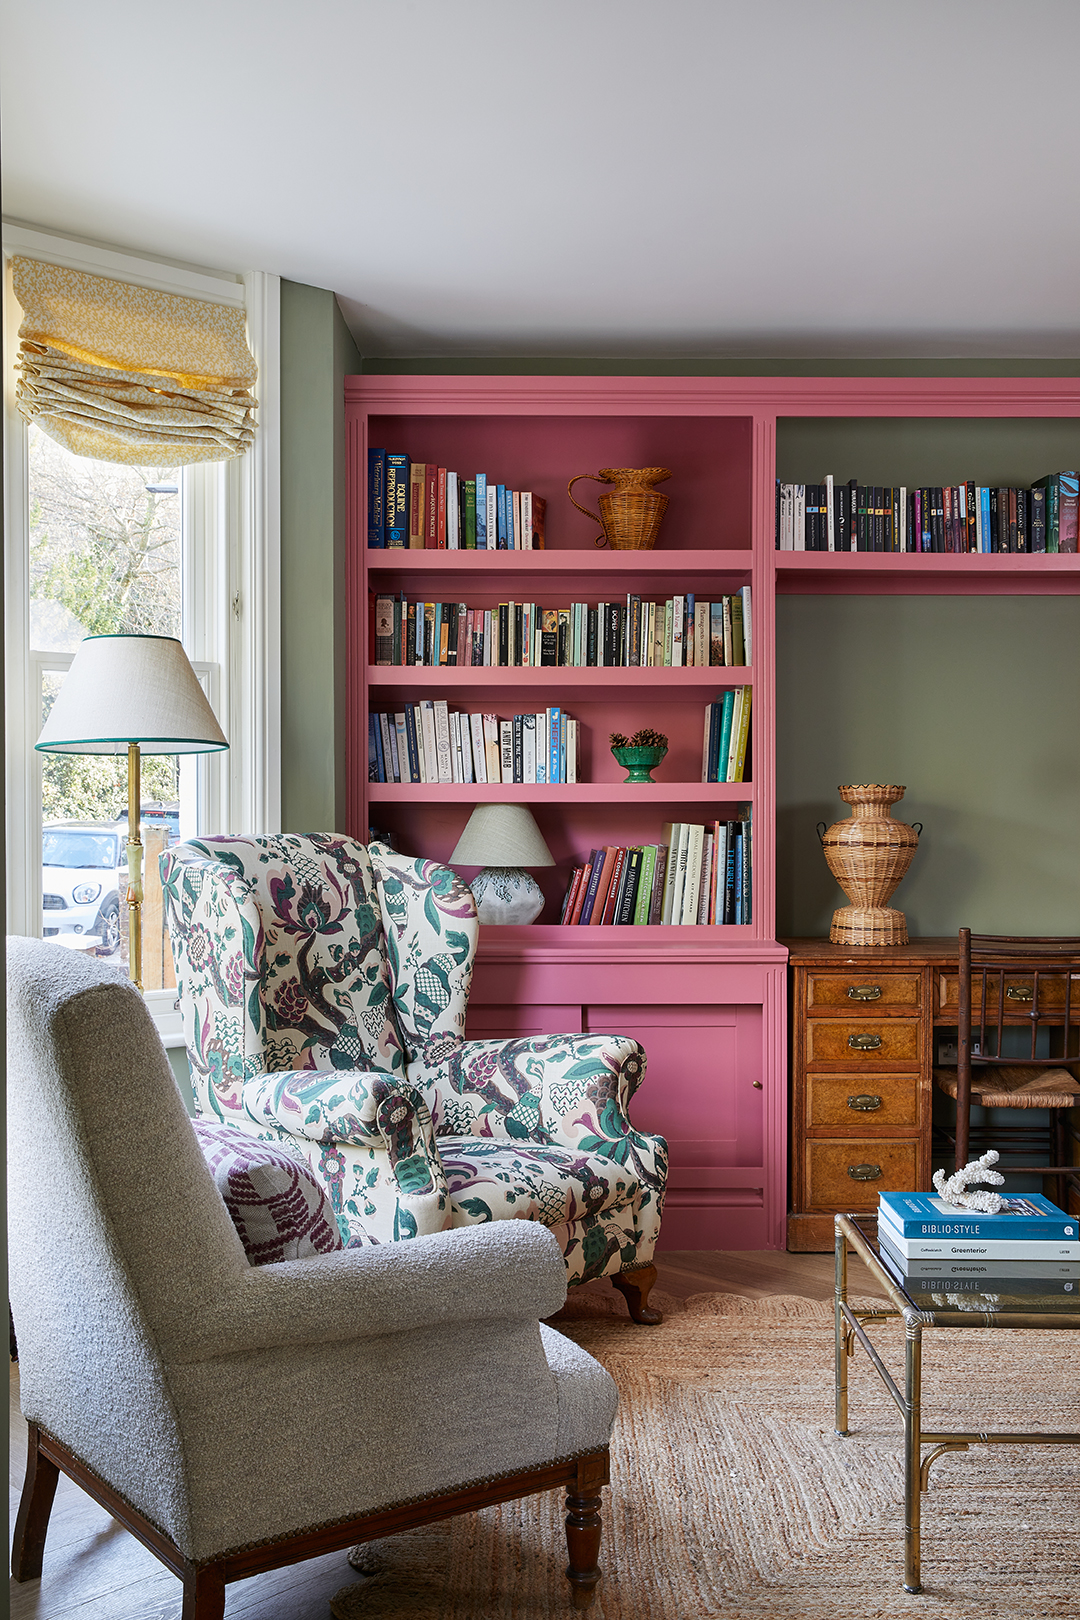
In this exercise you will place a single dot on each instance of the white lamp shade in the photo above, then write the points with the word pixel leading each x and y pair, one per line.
pixel 131 689
pixel 501 835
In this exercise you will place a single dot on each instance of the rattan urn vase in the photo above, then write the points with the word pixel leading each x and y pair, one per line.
pixel 868 855
pixel 630 515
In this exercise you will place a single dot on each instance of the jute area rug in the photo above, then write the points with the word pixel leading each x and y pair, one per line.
pixel 732 1496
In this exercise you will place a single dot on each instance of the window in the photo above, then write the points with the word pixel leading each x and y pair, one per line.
pixel 92 547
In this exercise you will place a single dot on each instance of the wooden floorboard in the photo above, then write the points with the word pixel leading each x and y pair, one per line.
pixel 94 1570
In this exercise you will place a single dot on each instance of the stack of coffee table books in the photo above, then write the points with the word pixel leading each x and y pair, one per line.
pixel 1030 1247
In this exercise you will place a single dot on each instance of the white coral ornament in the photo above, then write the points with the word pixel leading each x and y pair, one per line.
pixel 954 1189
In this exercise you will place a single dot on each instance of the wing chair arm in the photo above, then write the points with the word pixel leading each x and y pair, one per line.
pixel 503 1271
pixel 586 1083
pixel 368 1110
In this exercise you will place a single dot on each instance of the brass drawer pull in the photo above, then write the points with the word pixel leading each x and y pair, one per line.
pixel 1016 992
pixel 864 1104
pixel 864 1172
pixel 864 992
pixel 864 1043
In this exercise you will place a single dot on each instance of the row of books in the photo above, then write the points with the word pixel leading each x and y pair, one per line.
pixel 419 505
pixel 727 731
pixel 696 875
pixel 1028 1246
pixel 430 742
pixel 954 518
pixel 681 632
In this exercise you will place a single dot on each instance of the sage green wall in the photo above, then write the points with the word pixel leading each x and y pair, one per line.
pixel 972 702
pixel 317 351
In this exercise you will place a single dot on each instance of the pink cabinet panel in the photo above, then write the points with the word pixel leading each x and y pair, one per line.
pixel 512 1022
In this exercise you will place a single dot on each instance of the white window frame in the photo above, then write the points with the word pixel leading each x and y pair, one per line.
pixel 231 625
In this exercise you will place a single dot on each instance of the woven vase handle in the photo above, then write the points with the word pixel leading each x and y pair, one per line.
pixel 821 830
pixel 601 538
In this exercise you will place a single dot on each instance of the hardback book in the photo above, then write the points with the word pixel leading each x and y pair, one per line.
pixel 656 900
pixel 990 1249
pixel 745 592
pixel 518 725
pixel 481 511
pixel 417 486
pixel 384 629
pixel 492 748
pixel 631 883
pixel 506 750
pixel 427 734
pixel 947 1270
pixel 738 648
pixel 479 748
pixel 706 879
pixel 414 739
pixel 403 747
pixel 1024 1215
pixel 373 748
pixel 1068 510
pixel 740 736
pixel 492 516
pixel 643 898
pixel 554 734
pixel 525 501
pixel 537 538
pixel 571 894
pixel 397 501
pixel 729 644
pixel 726 701
pixel 572 743
pixel 670 834
pixel 1037 518
pixel 716 632
pixel 528 748
pixel 377 498
pixel 440 510
pixel 691 894
pixel 443 755
pixel 468 540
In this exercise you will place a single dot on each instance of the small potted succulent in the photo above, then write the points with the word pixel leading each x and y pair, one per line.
pixel 640 754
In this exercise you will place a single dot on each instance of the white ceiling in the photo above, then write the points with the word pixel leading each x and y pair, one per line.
pixel 598 178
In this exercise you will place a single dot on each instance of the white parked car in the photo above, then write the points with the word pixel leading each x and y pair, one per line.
pixel 83 865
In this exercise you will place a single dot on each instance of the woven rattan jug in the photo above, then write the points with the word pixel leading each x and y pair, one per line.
pixel 868 855
pixel 630 515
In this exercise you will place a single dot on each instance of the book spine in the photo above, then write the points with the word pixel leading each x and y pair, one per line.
pixel 377 498
pixel 571 895
pixel 506 750
pixel 628 893
pixel 431 503
pixel 1037 521
pixel 587 898
pixel 417 485
pixel 397 501
pixel 984 1248
pixel 738 750
pixel 469 541
pixel 384 630
pixel 480 484
pixel 645 886
pixel 614 888
pixel 440 523
pixel 1068 511
pixel 723 748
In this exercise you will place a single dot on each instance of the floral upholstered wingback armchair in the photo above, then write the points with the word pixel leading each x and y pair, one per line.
pixel 324 986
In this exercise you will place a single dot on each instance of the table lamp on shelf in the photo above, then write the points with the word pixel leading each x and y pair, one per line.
pixel 141 694
pixel 503 839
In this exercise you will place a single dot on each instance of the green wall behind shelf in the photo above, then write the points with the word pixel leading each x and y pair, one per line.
pixel 972 702
pixel 969 701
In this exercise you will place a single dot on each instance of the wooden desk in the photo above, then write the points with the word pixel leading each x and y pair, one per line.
pixel 862 1058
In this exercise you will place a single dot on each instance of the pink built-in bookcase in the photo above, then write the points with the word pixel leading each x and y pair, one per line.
pixel 707 1003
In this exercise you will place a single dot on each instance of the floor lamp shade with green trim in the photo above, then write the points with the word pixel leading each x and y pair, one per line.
pixel 133 695
pixel 504 839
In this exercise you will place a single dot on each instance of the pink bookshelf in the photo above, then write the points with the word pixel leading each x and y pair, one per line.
pixel 707 1003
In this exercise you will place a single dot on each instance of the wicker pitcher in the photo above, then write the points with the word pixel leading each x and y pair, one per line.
pixel 630 515
pixel 868 855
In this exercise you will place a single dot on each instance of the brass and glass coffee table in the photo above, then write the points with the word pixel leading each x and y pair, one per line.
pixel 919 1312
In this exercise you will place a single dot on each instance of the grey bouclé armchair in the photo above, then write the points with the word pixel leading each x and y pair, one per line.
pixel 235 1417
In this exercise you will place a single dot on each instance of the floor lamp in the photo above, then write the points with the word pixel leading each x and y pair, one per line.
pixel 141 694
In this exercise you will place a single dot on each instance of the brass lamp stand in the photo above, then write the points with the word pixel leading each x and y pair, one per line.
pixel 138 693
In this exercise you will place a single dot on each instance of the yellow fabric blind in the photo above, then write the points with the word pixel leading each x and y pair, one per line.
pixel 125 373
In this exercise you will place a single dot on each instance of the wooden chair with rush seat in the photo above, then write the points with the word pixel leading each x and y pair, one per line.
pixel 1022 993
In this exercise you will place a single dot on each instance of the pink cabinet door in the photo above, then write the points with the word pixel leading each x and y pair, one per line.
pixel 703 1092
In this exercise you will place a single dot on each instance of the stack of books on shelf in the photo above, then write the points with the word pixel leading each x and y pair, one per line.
pixel 955 518
pixel 421 506
pixel 682 632
pixel 1029 1247
pixel 695 875
pixel 430 742
pixel 727 729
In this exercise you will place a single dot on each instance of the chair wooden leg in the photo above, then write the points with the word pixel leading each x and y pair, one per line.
pixel 636 1286
pixel 39 1488
pixel 204 1593
pixel 583 1531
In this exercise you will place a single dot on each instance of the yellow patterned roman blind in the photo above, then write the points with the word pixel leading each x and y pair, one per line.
pixel 125 373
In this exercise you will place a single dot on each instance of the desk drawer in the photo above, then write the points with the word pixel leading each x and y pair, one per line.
pixel 859 990
pixel 850 1101
pixel 877 1165
pixel 864 1041
pixel 1019 989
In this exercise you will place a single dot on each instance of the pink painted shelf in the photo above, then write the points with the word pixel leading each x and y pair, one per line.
pixel 708 1004
pixel 867 573
pixel 625 795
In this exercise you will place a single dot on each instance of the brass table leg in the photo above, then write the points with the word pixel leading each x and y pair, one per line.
pixel 840 1299
pixel 912 1455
